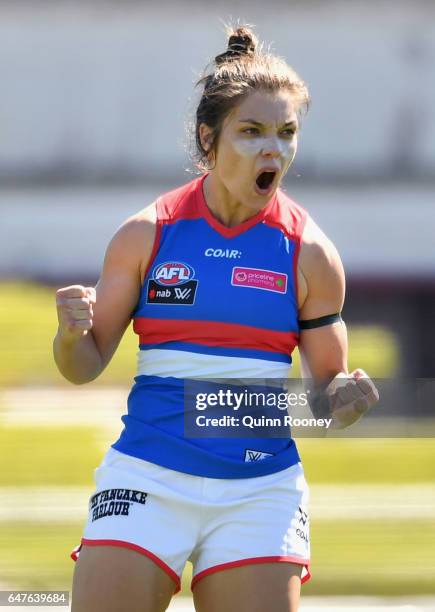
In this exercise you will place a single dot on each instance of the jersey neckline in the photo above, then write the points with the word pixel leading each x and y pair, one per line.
pixel 236 230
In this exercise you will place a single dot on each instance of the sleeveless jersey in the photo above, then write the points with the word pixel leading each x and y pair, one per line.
pixel 216 302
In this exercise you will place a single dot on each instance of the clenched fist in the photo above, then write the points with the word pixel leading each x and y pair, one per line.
pixel 74 311
pixel 350 397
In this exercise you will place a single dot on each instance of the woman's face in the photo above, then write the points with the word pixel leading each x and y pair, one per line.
pixel 256 146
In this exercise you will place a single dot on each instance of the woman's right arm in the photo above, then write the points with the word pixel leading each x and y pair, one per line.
pixel 323 349
pixel 92 320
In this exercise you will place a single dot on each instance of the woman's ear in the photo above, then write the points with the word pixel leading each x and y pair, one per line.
pixel 206 137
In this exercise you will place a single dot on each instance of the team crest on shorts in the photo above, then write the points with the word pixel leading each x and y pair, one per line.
pixel 172 283
pixel 256 455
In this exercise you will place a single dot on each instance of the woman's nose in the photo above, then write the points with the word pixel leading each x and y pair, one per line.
pixel 271 148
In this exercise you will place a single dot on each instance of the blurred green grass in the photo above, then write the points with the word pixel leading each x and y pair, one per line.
pixel 28 324
pixel 378 556
pixel 48 456
pixel 368 460
pixel 37 555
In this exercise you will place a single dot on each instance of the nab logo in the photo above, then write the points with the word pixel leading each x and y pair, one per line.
pixel 173 273
pixel 255 455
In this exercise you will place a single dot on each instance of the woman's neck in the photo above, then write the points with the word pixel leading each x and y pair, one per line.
pixel 223 205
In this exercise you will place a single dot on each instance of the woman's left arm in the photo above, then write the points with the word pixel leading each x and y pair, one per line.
pixel 323 347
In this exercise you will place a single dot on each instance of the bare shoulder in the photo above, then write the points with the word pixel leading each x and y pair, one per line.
pixel 317 250
pixel 139 225
pixel 320 271
pixel 133 241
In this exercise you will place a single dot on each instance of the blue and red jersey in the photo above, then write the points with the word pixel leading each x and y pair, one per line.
pixel 217 303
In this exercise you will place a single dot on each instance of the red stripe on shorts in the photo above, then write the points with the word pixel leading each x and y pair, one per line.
pixel 143 551
pixel 252 561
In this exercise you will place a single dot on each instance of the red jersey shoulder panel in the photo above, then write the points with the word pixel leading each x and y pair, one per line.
pixel 287 215
pixel 180 203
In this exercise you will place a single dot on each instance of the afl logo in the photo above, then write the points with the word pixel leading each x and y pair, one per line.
pixel 173 273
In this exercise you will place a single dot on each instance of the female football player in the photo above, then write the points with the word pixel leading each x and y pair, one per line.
pixel 223 278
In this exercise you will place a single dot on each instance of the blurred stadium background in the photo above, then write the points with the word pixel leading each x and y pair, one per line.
pixel 93 112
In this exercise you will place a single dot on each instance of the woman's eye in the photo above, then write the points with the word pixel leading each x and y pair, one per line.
pixel 289 132
pixel 251 130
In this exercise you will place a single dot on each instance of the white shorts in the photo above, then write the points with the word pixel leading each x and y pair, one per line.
pixel 172 517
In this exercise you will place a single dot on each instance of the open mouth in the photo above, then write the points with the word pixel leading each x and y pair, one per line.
pixel 264 181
